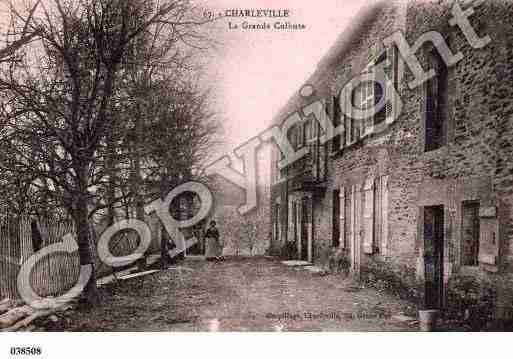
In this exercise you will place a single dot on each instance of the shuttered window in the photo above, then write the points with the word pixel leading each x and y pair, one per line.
pixel 338 140
pixel 368 216
pixel 296 136
pixel 380 92
pixel 335 241
pixel 368 94
pixel 375 215
pixel 392 73
pixel 277 222
pixel 436 104
pixel 352 128
pixel 339 218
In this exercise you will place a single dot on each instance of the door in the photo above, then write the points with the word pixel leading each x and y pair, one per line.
pixel 433 256
pixel 355 228
pixel 305 214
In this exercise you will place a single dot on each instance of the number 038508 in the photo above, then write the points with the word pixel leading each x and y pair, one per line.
pixel 26 351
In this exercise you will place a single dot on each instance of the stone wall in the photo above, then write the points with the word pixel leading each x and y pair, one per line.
pixel 475 164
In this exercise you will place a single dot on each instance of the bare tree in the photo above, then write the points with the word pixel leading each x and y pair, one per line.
pixel 59 97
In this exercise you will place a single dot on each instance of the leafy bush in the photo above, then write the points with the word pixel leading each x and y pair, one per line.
pixel 471 300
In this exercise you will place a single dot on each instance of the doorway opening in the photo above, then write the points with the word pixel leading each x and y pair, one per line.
pixel 433 256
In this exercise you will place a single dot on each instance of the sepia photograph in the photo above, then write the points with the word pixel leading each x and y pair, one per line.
pixel 226 166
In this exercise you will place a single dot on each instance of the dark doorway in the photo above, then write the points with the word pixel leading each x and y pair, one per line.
pixel 305 214
pixel 335 241
pixel 433 256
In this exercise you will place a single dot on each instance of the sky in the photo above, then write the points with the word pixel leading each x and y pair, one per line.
pixel 258 70
pixel 253 73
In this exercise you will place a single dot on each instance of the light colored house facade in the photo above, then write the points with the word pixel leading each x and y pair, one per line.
pixel 423 193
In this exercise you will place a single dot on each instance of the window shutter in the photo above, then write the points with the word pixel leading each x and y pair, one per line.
pixel 378 212
pixel 342 211
pixel 381 78
pixel 380 92
pixel 368 216
pixel 352 227
pixel 338 139
pixel 384 215
pixel 291 218
pixel 300 135
pixel 349 129
pixel 278 222
pixel 430 128
pixel 341 121
pixel 393 74
pixel 356 225
pixel 419 238
pixel 489 243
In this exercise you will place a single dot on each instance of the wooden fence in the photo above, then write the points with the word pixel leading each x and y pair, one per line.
pixel 54 274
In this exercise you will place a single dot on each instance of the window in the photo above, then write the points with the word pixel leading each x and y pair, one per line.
pixel 392 74
pixel 352 126
pixel 368 94
pixel 379 92
pixel 295 135
pixel 310 131
pixel 375 215
pixel 366 100
pixel 294 221
pixel 470 234
pixel 337 120
pixel 276 172
pixel 436 104
pixel 277 222
pixel 300 136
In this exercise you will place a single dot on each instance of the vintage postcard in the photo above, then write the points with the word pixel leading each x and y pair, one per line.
pixel 254 166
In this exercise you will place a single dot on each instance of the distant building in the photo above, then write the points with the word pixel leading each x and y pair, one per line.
pixel 247 234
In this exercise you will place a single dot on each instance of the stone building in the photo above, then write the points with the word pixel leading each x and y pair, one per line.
pixel 241 235
pixel 421 194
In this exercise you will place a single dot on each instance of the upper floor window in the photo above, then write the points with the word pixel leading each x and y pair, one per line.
pixel 436 104
pixel 295 136
pixel 277 222
pixel 370 93
pixel 338 140
pixel 379 92
pixel 310 130
pixel 276 173
pixel 352 126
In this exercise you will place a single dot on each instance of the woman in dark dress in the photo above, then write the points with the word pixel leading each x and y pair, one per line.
pixel 213 248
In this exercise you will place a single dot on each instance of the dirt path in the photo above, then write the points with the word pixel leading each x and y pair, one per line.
pixel 239 295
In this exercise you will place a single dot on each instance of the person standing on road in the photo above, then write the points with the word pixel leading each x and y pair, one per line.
pixel 214 249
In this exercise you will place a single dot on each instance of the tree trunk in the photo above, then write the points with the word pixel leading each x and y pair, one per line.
pixel 85 250
pixel 110 168
pixel 90 295
pixel 136 180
